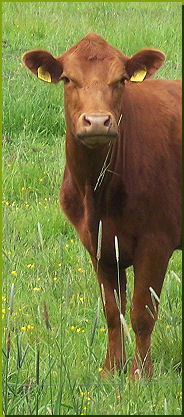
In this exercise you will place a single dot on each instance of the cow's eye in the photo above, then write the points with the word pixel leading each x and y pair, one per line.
pixel 122 81
pixel 66 80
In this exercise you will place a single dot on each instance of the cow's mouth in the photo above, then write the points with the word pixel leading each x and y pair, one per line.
pixel 92 141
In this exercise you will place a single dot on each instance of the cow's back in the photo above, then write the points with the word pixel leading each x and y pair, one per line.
pixel 151 143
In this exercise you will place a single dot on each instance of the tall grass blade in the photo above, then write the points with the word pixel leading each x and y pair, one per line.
pixel 98 255
pixel 19 350
pixel 165 407
pixel 117 299
pixel 103 294
pixel 11 299
pixel 40 235
pixel 96 322
pixel 24 355
pixel 149 311
pixel 104 169
pixel 116 248
pixel 154 297
pixel 125 327
pixel 176 276
pixel 37 377
pixel 46 316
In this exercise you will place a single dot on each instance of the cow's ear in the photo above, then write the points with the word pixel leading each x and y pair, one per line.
pixel 144 64
pixel 43 65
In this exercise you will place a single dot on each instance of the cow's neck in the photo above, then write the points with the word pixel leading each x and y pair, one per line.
pixel 87 166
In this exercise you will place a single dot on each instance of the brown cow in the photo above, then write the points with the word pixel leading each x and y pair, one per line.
pixel 123 167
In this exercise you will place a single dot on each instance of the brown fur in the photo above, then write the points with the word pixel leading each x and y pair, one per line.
pixel 139 199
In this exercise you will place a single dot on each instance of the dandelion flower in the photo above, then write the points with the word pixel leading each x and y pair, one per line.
pixel 23 328
pixel 72 328
pixel 102 330
pixel 30 266
pixel 30 327
pixel 13 273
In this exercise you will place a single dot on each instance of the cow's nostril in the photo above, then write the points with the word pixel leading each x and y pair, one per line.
pixel 107 121
pixel 86 121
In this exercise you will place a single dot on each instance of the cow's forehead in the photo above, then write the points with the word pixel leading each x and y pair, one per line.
pixel 82 69
pixel 93 56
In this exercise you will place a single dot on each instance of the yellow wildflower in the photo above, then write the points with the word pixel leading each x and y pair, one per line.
pixel 60 264
pixel 100 369
pixel 72 328
pixel 102 330
pixel 13 273
pixel 36 289
pixel 78 330
pixel 30 327
pixel 7 203
pixel 9 165
pixel 30 266
pixel 23 188
pixel 23 328
pixel 3 298
pixel 40 179
pixel 71 240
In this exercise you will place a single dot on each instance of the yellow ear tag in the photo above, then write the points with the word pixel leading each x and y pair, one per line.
pixel 44 75
pixel 138 76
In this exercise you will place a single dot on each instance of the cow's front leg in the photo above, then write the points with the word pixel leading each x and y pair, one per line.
pixel 108 282
pixel 150 266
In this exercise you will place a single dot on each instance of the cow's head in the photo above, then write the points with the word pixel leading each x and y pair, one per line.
pixel 94 75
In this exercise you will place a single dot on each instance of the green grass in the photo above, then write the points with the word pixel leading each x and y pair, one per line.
pixel 56 370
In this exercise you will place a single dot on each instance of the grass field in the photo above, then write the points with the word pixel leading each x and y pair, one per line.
pixel 51 361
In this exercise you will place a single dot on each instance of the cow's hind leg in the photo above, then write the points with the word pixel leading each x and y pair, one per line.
pixel 108 282
pixel 150 264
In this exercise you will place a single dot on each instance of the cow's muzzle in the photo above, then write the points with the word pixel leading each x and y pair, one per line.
pixel 94 129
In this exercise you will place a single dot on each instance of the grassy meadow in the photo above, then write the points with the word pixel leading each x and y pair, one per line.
pixel 54 331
